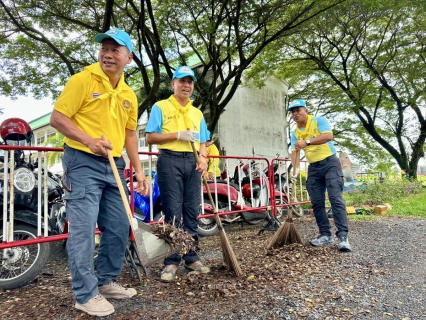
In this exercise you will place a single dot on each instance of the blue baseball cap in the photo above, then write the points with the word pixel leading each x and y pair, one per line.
pixel 119 36
pixel 297 103
pixel 183 72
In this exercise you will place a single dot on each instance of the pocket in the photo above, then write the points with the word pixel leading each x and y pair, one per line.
pixel 334 179
pixel 70 158
pixel 310 182
pixel 77 192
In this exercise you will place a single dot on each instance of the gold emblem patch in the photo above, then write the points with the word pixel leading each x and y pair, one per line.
pixel 126 104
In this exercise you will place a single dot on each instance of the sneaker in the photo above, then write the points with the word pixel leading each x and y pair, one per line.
pixel 97 306
pixel 169 273
pixel 115 291
pixel 322 240
pixel 344 245
pixel 197 266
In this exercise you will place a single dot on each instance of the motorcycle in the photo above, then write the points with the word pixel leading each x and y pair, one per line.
pixel 253 193
pixel 20 265
pixel 280 183
pixel 142 202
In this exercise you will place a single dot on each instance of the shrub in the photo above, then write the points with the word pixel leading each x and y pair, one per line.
pixel 377 193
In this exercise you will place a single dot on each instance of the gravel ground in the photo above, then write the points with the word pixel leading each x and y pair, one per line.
pixel 383 278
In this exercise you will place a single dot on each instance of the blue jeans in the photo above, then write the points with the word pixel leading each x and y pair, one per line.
pixel 180 189
pixel 327 175
pixel 92 196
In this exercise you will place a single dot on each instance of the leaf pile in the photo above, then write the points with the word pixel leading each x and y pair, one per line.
pixel 175 237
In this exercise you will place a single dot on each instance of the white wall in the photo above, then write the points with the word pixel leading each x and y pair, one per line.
pixel 256 118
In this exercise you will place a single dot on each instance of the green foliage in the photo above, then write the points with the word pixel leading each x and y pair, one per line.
pixel 388 191
pixel 361 65
pixel 44 42
pixel 56 141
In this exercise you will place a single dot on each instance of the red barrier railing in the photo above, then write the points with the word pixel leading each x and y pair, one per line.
pixel 250 174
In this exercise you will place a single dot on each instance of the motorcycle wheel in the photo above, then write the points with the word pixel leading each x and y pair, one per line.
pixel 206 226
pixel 22 264
pixel 255 222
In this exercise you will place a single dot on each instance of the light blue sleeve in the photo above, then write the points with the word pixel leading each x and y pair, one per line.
pixel 293 140
pixel 204 133
pixel 323 125
pixel 155 121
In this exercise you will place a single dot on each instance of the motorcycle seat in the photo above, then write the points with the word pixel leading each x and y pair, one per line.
pixel 235 185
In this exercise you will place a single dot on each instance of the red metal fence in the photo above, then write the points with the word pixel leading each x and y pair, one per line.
pixel 248 184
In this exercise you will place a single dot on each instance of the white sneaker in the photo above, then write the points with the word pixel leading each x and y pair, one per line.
pixel 97 306
pixel 113 290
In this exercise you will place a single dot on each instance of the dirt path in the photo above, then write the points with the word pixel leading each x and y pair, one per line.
pixel 383 278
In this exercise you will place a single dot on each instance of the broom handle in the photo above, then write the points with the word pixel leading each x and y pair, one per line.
pixel 216 215
pixel 120 185
pixel 293 184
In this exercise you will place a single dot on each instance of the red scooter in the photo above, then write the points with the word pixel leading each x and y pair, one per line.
pixel 248 189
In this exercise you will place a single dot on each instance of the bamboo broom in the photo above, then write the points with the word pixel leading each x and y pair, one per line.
pixel 229 257
pixel 287 232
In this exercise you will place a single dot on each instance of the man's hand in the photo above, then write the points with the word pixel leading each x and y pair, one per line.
pixel 98 146
pixel 187 135
pixel 142 186
pixel 201 166
pixel 210 176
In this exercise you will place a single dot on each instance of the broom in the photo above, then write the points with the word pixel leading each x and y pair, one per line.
pixel 228 254
pixel 287 232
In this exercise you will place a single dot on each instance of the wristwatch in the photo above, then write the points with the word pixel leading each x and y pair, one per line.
pixel 308 142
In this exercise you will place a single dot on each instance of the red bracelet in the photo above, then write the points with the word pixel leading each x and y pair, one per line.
pixel 203 155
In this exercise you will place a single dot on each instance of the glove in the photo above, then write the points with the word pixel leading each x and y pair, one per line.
pixel 293 176
pixel 187 135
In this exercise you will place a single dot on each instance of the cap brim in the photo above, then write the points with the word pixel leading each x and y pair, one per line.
pixel 288 109
pixel 187 75
pixel 101 36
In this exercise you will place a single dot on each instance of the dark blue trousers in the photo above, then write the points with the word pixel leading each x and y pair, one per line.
pixel 92 197
pixel 180 189
pixel 327 175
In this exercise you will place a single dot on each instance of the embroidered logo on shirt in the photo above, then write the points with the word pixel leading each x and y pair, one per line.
pixel 126 104
pixel 95 95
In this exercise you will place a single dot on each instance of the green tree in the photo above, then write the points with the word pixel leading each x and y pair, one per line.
pixel 362 64
pixel 56 141
pixel 44 41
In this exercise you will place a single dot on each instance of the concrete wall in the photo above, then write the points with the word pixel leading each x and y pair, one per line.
pixel 256 118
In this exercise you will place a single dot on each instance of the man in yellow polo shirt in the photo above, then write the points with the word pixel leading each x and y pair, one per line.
pixel 314 135
pixel 213 170
pixel 173 125
pixel 98 102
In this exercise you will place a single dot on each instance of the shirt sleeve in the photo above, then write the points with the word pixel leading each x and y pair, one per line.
pixel 293 140
pixel 204 133
pixel 323 125
pixel 132 122
pixel 72 97
pixel 155 121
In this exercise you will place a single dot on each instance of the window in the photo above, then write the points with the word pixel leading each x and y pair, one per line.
pixel 40 141
pixel 142 142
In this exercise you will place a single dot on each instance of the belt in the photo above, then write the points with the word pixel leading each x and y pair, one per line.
pixel 176 153
pixel 324 161
pixel 91 155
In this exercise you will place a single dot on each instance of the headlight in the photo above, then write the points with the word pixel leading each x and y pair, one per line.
pixel 24 179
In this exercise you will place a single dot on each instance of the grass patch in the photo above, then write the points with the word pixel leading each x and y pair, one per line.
pixel 407 198
pixel 411 206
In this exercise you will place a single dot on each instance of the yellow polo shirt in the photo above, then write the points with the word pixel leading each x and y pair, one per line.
pixel 169 125
pixel 91 103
